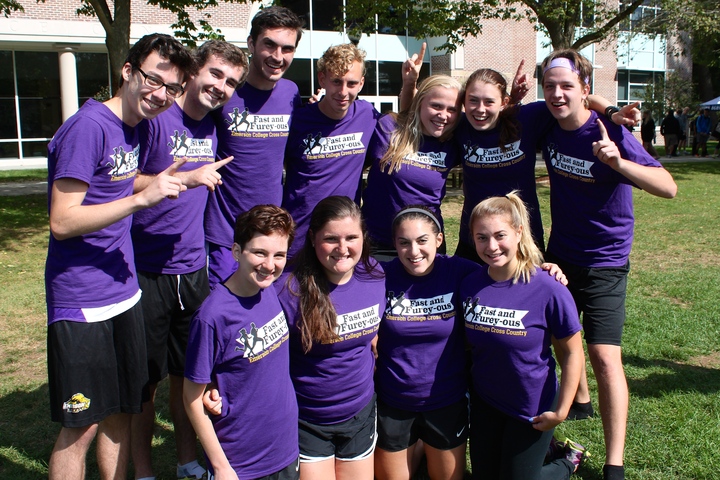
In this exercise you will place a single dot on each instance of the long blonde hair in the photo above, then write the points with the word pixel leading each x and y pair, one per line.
pixel 512 208
pixel 407 137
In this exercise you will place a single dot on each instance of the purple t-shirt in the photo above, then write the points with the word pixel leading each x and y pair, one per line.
pixel 253 127
pixel 168 238
pixel 241 345
pixel 490 172
pixel 420 180
pixel 95 269
pixel 509 328
pixel 421 341
pixel 334 381
pixel 324 157
pixel 590 203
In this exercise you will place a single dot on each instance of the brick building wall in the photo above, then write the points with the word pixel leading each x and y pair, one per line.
pixel 224 15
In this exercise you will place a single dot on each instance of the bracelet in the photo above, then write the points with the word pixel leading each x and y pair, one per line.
pixel 610 110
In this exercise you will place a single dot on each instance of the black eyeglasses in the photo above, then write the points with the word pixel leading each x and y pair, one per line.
pixel 173 90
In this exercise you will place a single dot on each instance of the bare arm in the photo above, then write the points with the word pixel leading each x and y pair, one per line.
pixel 571 367
pixel 628 115
pixel 192 399
pixel 654 180
pixel 520 85
pixel 410 75
pixel 70 218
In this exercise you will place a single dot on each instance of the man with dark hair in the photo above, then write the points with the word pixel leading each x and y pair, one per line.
pixel 96 344
pixel 670 129
pixel 169 241
pixel 253 127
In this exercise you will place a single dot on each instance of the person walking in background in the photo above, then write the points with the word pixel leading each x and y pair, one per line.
pixel 682 116
pixel 670 129
pixel 702 127
pixel 647 133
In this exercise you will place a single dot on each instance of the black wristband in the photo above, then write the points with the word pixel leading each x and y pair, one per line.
pixel 610 110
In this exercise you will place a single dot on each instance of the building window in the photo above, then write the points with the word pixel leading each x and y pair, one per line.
pixel 30 97
pixel 643 15
pixel 93 76
pixel 638 86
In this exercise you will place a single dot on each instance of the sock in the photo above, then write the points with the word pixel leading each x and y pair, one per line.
pixel 190 469
pixel 580 411
pixel 613 472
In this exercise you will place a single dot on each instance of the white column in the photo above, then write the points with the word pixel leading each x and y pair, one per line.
pixel 68 83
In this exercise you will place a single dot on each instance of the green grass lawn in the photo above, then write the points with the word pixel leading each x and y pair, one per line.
pixel 671 346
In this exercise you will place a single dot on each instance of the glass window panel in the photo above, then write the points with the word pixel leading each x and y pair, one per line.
pixel 370 87
pixel 390 78
pixel 299 72
pixel 38 74
pixel 8 119
pixel 637 92
pixel 622 92
pixel 301 8
pixel 640 77
pixel 386 107
pixel 327 14
pixel 39 118
pixel 92 73
pixel 7 82
pixel 9 150
pixel 34 149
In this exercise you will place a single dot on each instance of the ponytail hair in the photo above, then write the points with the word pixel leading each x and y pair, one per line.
pixel 512 208
pixel 407 137
pixel 318 317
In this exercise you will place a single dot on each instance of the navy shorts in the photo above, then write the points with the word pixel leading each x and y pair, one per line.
pixel 443 428
pixel 599 295
pixel 96 369
pixel 168 304
pixel 353 439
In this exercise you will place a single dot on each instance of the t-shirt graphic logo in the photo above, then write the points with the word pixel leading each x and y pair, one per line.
pixel 237 119
pixel 313 144
pixel 472 154
pixel 252 342
pixel 256 343
pixel 179 144
pixel 123 163
pixel 486 316
pixel 494 156
pixel 396 304
pixel 572 166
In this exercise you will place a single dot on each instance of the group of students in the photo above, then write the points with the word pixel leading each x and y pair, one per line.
pixel 296 388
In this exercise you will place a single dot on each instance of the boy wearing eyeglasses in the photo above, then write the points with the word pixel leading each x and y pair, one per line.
pixel 96 343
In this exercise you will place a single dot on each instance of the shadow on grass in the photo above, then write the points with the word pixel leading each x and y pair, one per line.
pixel 27 437
pixel 677 376
pixel 680 171
pixel 21 217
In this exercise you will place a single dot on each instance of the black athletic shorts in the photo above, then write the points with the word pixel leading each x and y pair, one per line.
pixel 352 439
pixel 443 428
pixel 96 369
pixel 599 295
pixel 168 304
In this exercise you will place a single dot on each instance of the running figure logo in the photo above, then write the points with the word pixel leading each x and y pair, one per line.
pixel 312 142
pixel 179 144
pixel 253 342
pixel 237 119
